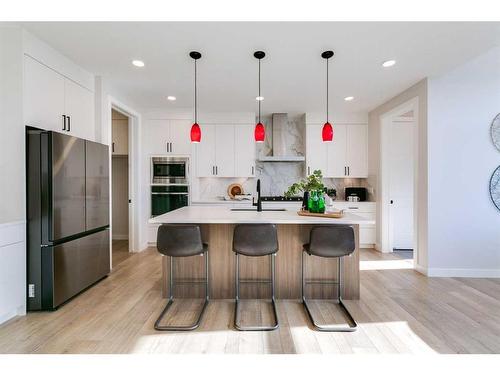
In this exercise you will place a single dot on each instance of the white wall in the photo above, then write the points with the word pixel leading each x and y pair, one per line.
pixel 464 225
pixel 12 167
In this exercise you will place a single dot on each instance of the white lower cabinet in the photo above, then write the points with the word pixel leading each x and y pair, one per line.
pixel 367 210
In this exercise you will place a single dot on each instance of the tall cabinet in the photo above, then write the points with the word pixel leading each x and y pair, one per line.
pixel 345 156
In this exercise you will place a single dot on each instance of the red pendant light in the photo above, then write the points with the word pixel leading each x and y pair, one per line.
pixel 260 130
pixel 195 128
pixel 327 132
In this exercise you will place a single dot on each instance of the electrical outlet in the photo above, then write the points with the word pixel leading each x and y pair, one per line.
pixel 31 290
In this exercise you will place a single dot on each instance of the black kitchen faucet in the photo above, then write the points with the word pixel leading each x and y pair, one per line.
pixel 259 200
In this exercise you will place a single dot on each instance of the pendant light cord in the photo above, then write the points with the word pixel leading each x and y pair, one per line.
pixel 259 92
pixel 327 90
pixel 195 95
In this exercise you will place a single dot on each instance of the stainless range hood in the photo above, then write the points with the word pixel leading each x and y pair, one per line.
pixel 280 150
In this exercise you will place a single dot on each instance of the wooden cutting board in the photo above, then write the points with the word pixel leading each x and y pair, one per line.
pixel 331 215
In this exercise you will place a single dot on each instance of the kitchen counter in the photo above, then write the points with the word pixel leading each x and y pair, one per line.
pixel 223 215
pixel 217 225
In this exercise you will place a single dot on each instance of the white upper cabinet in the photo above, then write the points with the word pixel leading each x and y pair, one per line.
pixel 79 109
pixel 180 137
pixel 316 151
pixel 345 156
pixel 226 150
pixel 54 102
pixel 244 152
pixel 357 151
pixel 43 96
pixel 168 137
pixel 337 152
pixel 205 152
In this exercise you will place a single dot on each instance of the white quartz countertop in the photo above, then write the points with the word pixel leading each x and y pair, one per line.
pixel 223 215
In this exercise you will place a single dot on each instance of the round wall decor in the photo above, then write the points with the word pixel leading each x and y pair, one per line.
pixel 495 131
pixel 495 187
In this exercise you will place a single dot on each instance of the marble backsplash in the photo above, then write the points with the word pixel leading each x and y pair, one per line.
pixel 276 177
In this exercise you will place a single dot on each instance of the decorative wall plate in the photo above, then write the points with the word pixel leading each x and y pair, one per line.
pixel 495 187
pixel 495 131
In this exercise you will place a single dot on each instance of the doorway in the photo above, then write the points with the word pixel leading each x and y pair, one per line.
pixel 398 181
pixel 120 186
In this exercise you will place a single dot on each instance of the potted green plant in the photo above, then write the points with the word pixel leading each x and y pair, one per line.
pixel 313 189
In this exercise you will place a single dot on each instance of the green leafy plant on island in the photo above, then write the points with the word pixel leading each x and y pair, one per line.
pixel 313 182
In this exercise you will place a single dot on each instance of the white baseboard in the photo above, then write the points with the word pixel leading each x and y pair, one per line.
pixel 463 272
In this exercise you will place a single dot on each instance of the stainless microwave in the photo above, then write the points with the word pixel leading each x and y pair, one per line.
pixel 169 170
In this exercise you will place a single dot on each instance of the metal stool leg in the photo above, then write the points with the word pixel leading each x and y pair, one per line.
pixel 273 300
pixel 159 327
pixel 352 325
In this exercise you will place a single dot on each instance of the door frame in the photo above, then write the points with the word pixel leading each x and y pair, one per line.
pixel 134 187
pixel 385 214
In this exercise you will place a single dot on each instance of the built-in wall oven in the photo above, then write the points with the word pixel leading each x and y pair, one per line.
pixel 169 170
pixel 169 184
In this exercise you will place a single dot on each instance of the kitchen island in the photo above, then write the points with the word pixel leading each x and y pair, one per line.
pixel 217 224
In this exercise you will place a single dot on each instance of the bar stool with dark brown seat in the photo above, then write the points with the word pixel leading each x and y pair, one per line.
pixel 181 241
pixel 330 241
pixel 255 240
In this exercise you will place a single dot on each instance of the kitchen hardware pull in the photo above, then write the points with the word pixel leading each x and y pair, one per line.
pixel 345 171
pixel 213 169
pixel 348 171
pixel 172 193
pixel 308 170
pixel 216 170
pixel 69 123
pixel 171 147
pixel 166 145
pixel 64 122
pixel 353 208
pixel 252 171
pixel 113 147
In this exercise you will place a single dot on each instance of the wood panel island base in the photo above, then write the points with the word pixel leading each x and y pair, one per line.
pixel 217 225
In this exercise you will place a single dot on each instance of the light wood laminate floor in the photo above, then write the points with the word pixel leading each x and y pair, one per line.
pixel 400 311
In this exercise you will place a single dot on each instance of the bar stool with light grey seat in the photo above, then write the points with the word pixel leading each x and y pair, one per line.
pixel 181 241
pixel 330 241
pixel 255 240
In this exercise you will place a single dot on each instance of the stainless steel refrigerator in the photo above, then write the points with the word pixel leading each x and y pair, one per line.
pixel 67 216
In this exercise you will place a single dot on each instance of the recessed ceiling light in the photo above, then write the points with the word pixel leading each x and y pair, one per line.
pixel 171 98
pixel 388 63
pixel 259 98
pixel 138 63
pixel 348 98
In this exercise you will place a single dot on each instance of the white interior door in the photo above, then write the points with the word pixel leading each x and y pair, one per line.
pixel 401 184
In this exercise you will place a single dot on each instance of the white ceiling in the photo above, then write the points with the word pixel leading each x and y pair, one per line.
pixel 293 73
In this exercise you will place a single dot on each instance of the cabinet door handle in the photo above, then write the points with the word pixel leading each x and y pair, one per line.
pixel 308 170
pixel 213 170
pixel 216 170
pixel 166 145
pixel 348 171
pixel 64 122
pixel 171 147
pixel 345 171
pixel 113 147
pixel 69 123
pixel 252 171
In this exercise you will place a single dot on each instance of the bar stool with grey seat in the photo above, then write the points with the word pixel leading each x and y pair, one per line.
pixel 255 240
pixel 330 241
pixel 181 241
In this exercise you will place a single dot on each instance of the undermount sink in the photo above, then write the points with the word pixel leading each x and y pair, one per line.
pixel 254 209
